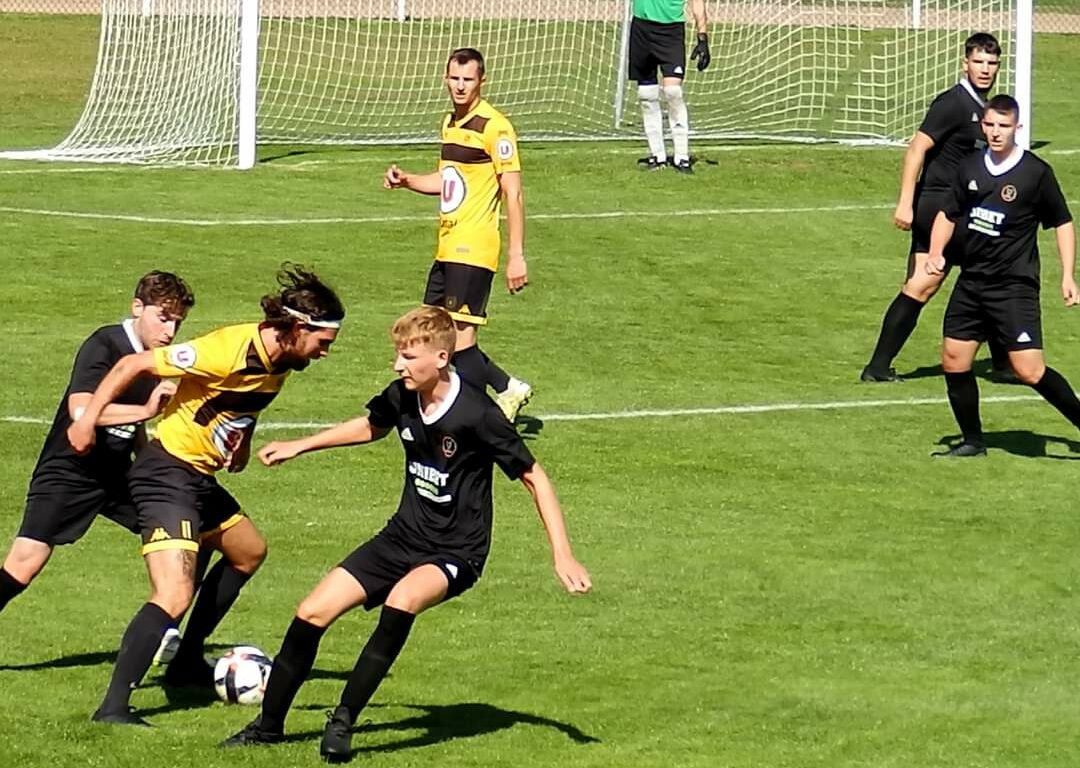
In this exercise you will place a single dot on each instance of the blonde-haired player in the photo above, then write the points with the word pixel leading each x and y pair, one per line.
pixel 434 547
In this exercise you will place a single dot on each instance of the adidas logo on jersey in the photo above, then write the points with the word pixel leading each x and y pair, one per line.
pixel 678 70
pixel 974 117
pixel 972 186
pixel 1023 338
pixel 406 434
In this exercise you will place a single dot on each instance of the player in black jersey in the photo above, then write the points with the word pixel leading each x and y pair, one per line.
pixel 435 545
pixel 68 491
pixel 950 132
pixel 1000 198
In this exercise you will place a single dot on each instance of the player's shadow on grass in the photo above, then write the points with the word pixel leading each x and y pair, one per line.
pixel 529 427
pixel 93 659
pixel 446 723
pixel 1022 442
pixel 981 368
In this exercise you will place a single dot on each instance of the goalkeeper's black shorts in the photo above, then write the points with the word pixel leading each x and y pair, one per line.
pixel 654 45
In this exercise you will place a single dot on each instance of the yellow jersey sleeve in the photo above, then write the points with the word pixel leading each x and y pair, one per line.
pixel 500 142
pixel 205 357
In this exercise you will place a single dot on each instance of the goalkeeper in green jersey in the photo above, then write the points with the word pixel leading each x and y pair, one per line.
pixel 658 41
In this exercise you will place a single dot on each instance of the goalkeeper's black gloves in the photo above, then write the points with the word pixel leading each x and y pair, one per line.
pixel 701 52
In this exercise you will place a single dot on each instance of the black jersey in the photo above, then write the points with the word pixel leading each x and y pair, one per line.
pixel 1000 208
pixel 954 122
pixel 113 445
pixel 446 501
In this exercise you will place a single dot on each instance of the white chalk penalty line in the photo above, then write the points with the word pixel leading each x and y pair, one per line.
pixel 656 413
pixel 283 222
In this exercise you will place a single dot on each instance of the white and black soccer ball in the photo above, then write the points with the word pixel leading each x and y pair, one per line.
pixel 240 675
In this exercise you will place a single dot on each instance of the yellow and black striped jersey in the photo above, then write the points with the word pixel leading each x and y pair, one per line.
pixel 226 378
pixel 476 150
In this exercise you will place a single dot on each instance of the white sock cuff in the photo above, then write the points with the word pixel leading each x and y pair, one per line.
pixel 673 94
pixel 649 92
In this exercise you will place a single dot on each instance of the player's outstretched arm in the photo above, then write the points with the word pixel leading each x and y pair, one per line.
pixel 940 235
pixel 571 573
pixel 517 273
pixel 118 413
pixel 914 158
pixel 127 369
pixel 424 183
pixel 1066 245
pixel 353 432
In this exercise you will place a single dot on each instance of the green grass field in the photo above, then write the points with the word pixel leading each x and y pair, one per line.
pixel 777 587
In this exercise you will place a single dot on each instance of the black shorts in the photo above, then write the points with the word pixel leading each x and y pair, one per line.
pixel 384 560
pixel 1003 309
pixel 177 505
pixel 927 206
pixel 62 502
pixel 654 45
pixel 461 289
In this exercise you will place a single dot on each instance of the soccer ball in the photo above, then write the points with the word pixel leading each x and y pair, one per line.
pixel 240 675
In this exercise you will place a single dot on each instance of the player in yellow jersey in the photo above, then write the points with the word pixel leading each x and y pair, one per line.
pixel 479 169
pixel 226 378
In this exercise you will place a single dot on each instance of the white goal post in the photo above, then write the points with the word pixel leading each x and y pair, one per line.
pixel 204 82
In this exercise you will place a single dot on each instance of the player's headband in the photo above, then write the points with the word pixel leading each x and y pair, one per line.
pixel 307 319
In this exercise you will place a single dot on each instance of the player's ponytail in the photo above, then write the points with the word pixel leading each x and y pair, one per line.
pixel 304 300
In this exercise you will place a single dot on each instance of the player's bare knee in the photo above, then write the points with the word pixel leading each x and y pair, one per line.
pixel 248 558
pixel 1029 373
pixel 26 559
pixel 174 599
pixel 955 360
pixel 23 571
pixel 314 612
pixel 922 287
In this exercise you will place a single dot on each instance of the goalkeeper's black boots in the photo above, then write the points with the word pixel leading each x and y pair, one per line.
pixel 652 163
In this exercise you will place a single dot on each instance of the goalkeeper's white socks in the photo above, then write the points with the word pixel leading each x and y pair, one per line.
pixel 679 121
pixel 653 120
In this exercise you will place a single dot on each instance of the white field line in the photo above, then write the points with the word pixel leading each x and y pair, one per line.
pixel 314 165
pixel 325 220
pixel 719 410
pixel 388 156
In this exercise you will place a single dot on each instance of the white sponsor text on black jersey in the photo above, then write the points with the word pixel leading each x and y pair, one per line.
pixel 446 500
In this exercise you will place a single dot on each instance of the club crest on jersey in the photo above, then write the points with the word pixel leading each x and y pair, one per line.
pixel 182 356
pixel 449 446
pixel 1008 193
pixel 453 190
pixel 505 148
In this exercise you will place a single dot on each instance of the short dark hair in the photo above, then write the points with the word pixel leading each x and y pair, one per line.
pixel 464 56
pixel 165 290
pixel 1003 102
pixel 982 41
pixel 303 292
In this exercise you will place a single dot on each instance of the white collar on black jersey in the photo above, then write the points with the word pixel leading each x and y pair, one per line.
pixel 1006 165
pixel 129 329
pixel 455 389
pixel 967 86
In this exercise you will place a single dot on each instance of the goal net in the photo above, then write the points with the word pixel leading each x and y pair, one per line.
pixel 169 83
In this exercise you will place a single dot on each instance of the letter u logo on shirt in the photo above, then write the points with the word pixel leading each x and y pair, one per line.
pixel 453 190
